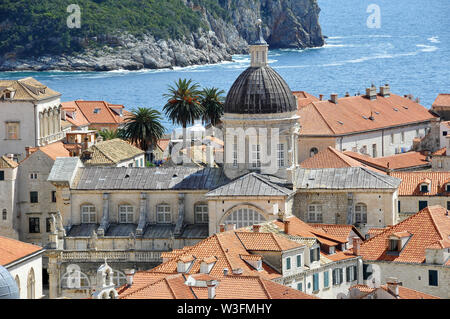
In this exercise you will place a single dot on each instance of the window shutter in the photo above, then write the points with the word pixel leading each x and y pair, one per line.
pixel 334 276
pixel 341 275
pixel 355 273
pixel 347 273
pixel 311 255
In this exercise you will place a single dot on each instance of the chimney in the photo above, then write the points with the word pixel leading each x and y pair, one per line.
pixel 385 90
pixel 256 228
pixel 231 226
pixel 334 98
pixel 356 245
pixel 371 93
pixel 321 97
pixel 222 228
pixel 129 273
pixel 85 144
pixel 10 156
pixel 286 226
pixel 392 285
pixel 27 151
pixel 347 94
pixel 238 271
pixel 225 271
pixel 212 285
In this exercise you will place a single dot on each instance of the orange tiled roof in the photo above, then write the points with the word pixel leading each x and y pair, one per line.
pixel 85 112
pixel 12 250
pixel 55 150
pixel 443 99
pixel 440 152
pixel 265 241
pixel 339 231
pixel 227 248
pixel 410 185
pixel 324 118
pixel 332 158
pixel 397 161
pixel 229 287
pixel 428 227
pixel 78 119
pixel 403 292
pixel 304 98
pixel 375 231
pixel 163 143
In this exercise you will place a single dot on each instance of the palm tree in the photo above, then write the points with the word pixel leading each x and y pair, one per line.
pixel 143 127
pixel 212 102
pixel 110 134
pixel 183 105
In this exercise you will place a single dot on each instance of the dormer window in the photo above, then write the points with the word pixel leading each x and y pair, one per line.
pixel 253 260
pixel 394 244
pixel 185 263
pixel 207 264
pixel 96 110
pixel 424 188
pixel 397 241
pixel 447 187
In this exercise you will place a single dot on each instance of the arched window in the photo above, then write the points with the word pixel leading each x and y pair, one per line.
pixel 163 214
pixel 88 214
pixel 313 151
pixel 112 295
pixel 4 214
pixel 315 213
pixel 244 216
pixel 31 285
pixel 361 213
pixel 201 214
pixel 17 283
pixel 126 214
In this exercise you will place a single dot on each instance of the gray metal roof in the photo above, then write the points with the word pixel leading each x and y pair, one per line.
pixel 260 90
pixel 156 231
pixel 344 178
pixel 150 178
pixel 64 169
pixel 252 184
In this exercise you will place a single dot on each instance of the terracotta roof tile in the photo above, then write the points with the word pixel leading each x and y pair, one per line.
pixel 397 161
pixel 410 185
pixel 332 158
pixel 403 292
pixel 28 89
pixel 112 152
pixel 304 98
pixel 325 117
pixel 12 250
pixel 443 99
pixel 440 152
pixel 343 232
pixel 427 227
pixel 55 150
pixel 229 287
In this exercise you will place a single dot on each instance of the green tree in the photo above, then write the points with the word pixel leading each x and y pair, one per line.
pixel 184 104
pixel 212 102
pixel 110 134
pixel 143 127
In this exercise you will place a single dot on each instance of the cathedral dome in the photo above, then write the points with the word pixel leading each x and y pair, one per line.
pixel 260 90
pixel 8 286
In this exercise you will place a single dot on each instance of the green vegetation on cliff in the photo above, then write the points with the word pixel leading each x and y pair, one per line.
pixel 37 27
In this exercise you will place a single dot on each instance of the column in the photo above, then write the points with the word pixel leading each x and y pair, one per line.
pixel 142 215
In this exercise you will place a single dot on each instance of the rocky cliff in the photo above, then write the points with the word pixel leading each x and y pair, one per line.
pixel 286 24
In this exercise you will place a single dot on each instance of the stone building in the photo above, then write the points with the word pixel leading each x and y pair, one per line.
pixel 415 251
pixel 24 262
pixel 441 106
pixel 421 189
pixel 376 124
pixel 350 195
pixel 30 115
pixel 9 226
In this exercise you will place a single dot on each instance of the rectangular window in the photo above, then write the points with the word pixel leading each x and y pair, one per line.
pixel 48 224
pixel 403 137
pixel 326 279
pixel 33 176
pixel 34 225
pixel 424 188
pixel 288 263
pixel 399 206
pixel 53 196
pixel 423 204
pixel 163 214
pixel 126 214
pixel 256 156
pixel 2 175
pixel 235 155
pixel 12 130
pixel 137 163
pixel 201 214
pixel 142 162
pixel 88 214
pixel 433 278
pixel 299 261
pixel 374 150
pixel 315 213
pixel 300 286
pixel 315 282
pixel 34 197
pixel 448 205
pixel 281 162
pixel 447 187
pixel 350 273
pixel 392 138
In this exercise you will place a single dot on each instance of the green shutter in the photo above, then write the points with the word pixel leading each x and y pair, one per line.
pixel 288 263
pixel 299 260
pixel 325 279
pixel 315 282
